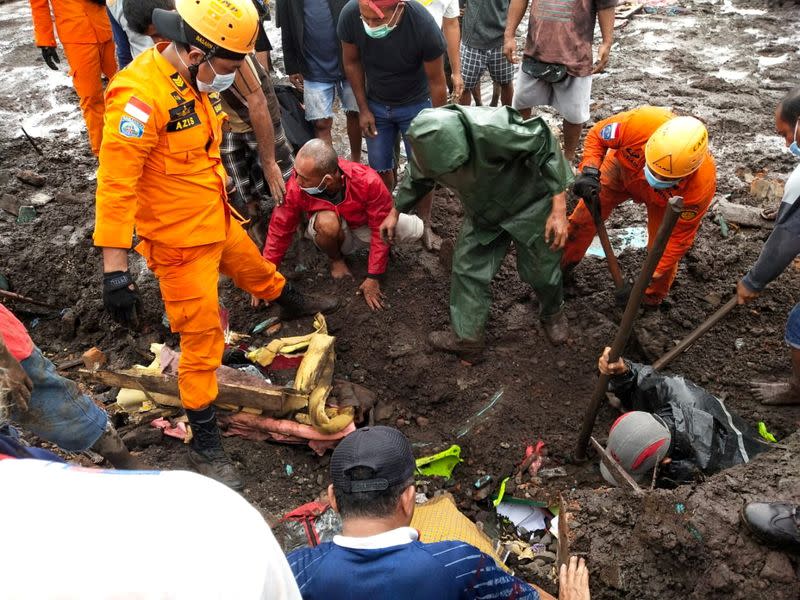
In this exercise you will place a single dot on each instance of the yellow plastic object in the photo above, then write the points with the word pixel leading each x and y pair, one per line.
pixel 441 464
pixel 288 345
pixel 501 492
pixel 440 520
pixel 764 433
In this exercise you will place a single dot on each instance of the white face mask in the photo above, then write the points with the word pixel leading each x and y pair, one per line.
pixel 220 83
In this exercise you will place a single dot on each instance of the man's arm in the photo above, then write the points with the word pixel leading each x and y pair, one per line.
pixel 265 138
pixel 780 249
pixel 600 138
pixel 354 71
pixel 452 35
pixel 434 71
pixel 291 62
pixel 42 24
pixel 379 205
pixel 282 225
pixel 605 17
pixel 516 10
pixel 13 378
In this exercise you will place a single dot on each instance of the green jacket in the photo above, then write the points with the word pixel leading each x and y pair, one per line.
pixel 499 164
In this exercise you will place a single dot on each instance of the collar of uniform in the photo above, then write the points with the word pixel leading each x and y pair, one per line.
pixel 169 70
pixel 387 539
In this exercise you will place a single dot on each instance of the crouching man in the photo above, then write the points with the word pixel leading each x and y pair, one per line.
pixel 674 425
pixel 379 556
pixel 37 398
pixel 345 203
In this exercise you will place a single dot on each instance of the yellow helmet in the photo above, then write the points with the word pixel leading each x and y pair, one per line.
pixel 223 28
pixel 677 148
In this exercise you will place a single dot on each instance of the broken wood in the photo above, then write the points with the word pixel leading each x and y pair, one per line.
pixel 749 216
pixel 21 298
pixel 626 11
pixel 562 550
pixel 32 143
pixel 269 398
pixel 620 475
pixel 69 364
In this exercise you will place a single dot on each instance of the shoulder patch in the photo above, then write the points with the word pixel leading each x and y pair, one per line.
pixel 182 110
pixel 131 128
pixel 138 109
pixel 610 131
pixel 177 97
pixel 178 81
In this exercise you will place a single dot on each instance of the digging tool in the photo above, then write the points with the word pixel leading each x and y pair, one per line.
pixel 21 298
pixel 674 207
pixel 622 288
pixel 620 475
pixel 700 331
pixel 30 139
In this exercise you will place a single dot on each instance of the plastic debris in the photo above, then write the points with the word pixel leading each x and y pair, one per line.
pixel 764 433
pixel 26 214
pixel 531 518
pixel 480 415
pixel 289 470
pixel 264 325
pixel 482 482
pixel 441 464
pixel 738 343
pixel 680 508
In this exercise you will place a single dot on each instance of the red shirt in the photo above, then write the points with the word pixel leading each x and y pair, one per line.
pixel 14 334
pixel 366 202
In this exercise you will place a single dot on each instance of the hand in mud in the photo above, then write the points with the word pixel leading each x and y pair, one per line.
pixel 274 178
pixel 615 368
pixel 371 290
pixel 603 53
pixel 50 57
pixel 366 120
pixel 297 81
pixel 744 294
pixel 388 226
pixel 14 380
pixel 510 50
pixel 555 230
pixel 573 580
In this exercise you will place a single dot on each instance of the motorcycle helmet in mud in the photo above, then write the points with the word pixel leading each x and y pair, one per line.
pixel 638 441
pixel 676 149
pixel 220 28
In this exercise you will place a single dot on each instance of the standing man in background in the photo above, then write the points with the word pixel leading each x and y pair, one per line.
pixel 85 33
pixel 557 63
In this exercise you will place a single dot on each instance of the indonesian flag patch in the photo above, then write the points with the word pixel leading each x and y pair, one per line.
pixel 138 110
pixel 610 131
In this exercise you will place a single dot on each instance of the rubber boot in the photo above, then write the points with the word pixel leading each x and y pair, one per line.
pixel 556 328
pixel 775 523
pixel 467 350
pixel 111 447
pixel 206 454
pixel 295 305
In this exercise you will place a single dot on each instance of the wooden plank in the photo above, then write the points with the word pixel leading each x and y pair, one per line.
pixel 562 553
pixel 269 398
pixel 626 11
pixel 623 479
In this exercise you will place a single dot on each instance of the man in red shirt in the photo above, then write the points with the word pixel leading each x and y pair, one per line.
pixel 48 405
pixel 345 203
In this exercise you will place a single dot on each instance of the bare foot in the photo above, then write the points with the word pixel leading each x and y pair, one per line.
pixel 339 269
pixel 255 302
pixel 573 580
pixel 430 240
pixel 783 393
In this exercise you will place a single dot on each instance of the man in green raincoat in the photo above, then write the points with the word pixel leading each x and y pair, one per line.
pixel 511 177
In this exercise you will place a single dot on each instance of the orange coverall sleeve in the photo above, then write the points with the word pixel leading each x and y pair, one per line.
pixel 43 32
pixel 122 158
pixel 603 136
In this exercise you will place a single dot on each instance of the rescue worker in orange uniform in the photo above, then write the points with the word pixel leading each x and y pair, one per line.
pixel 161 172
pixel 647 154
pixel 85 33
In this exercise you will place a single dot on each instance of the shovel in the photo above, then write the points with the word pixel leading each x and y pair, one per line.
pixel 622 288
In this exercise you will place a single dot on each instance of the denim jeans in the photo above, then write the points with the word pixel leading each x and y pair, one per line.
pixel 57 411
pixel 390 121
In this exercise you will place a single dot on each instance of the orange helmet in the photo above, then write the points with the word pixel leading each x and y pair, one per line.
pixel 223 28
pixel 677 148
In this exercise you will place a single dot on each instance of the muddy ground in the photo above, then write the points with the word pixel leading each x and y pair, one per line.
pixel 726 62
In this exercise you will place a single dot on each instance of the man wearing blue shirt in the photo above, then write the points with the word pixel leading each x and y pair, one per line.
pixel 379 556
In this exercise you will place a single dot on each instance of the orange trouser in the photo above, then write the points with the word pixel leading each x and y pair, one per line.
pixel 188 278
pixel 618 185
pixel 88 63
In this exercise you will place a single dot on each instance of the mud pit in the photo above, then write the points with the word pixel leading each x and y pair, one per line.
pixel 727 63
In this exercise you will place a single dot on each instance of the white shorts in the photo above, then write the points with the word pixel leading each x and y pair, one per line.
pixel 570 97
pixel 409 229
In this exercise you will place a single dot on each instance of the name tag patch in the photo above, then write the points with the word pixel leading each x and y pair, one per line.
pixel 131 128
pixel 187 122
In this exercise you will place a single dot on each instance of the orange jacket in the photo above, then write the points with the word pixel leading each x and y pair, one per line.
pixel 77 22
pixel 160 165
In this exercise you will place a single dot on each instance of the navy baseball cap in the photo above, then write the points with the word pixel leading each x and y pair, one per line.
pixel 384 450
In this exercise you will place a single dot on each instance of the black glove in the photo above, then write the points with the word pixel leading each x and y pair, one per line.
pixel 121 298
pixel 587 184
pixel 50 57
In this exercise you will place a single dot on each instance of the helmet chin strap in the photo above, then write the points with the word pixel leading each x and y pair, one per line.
pixel 195 67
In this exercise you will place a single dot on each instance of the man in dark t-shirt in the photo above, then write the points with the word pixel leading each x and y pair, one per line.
pixel 393 57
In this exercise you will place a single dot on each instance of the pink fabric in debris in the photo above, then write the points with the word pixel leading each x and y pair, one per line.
pixel 260 428
pixel 179 431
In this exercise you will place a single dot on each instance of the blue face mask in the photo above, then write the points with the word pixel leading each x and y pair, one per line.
pixel 316 191
pixel 794 149
pixel 655 182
